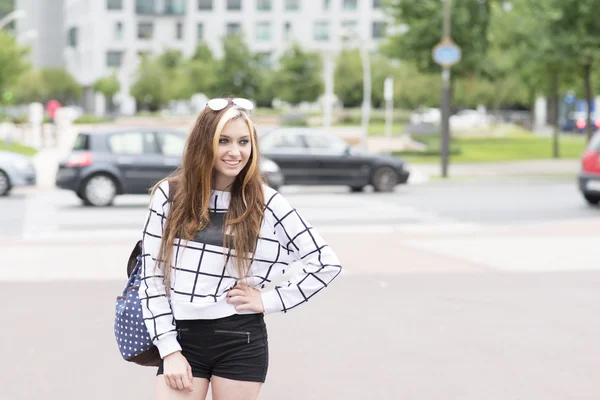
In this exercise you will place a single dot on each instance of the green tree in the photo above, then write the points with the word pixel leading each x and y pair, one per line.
pixel 299 76
pixel 533 50
pixel 237 70
pixel 424 20
pixel 348 81
pixel 12 61
pixel 201 70
pixel 415 89
pixel 578 27
pixel 30 88
pixel 60 85
pixel 109 86
pixel 150 88
pixel 266 89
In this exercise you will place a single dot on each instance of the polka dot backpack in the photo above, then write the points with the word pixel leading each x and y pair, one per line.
pixel 132 336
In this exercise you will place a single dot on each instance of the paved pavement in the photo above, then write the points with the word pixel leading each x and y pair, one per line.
pixel 434 304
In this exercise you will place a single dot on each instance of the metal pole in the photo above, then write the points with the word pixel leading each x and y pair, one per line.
pixel 388 94
pixel 445 120
pixel 366 105
pixel 445 125
pixel 328 98
pixel 13 16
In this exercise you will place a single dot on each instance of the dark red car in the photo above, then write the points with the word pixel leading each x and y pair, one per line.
pixel 589 177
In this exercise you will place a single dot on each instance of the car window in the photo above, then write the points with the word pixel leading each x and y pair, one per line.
pixel 82 143
pixel 132 143
pixel 328 143
pixel 595 143
pixel 172 144
pixel 281 140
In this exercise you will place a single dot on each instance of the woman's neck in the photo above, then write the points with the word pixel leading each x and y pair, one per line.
pixel 223 185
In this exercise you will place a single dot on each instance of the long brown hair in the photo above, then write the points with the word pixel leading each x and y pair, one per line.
pixel 189 212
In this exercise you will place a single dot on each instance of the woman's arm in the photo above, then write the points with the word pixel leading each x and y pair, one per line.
pixel 321 265
pixel 156 308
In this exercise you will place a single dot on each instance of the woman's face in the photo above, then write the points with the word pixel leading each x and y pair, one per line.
pixel 233 152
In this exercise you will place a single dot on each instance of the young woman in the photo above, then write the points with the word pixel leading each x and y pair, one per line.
pixel 222 238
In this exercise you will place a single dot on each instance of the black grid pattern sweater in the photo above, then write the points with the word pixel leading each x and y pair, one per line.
pixel 203 271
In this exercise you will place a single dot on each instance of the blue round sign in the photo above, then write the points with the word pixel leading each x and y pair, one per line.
pixel 446 54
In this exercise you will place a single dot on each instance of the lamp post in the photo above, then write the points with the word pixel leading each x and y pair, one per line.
pixel 31 34
pixel 12 16
pixel 329 92
pixel 366 103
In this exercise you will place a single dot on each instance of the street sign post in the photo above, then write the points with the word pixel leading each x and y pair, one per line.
pixel 388 96
pixel 446 53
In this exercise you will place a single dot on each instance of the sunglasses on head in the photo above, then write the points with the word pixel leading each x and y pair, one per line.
pixel 219 104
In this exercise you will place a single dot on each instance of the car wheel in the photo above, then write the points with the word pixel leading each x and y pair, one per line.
pixel 356 189
pixel 4 184
pixel 384 179
pixel 592 199
pixel 99 191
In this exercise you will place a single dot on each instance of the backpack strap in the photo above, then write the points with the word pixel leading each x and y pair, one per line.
pixel 136 252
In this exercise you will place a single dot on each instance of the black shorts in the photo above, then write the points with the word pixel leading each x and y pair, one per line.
pixel 234 347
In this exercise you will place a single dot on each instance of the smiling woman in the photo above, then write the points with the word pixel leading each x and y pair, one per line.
pixel 232 152
pixel 214 238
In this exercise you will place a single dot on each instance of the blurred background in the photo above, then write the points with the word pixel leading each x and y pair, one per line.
pixel 446 149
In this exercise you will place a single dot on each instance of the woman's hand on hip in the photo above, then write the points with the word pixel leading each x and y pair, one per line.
pixel 245 298
pixel 177 372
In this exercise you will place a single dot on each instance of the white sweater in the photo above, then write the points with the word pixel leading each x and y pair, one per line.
pixel 204 272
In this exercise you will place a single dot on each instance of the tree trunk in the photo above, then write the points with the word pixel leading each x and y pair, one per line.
pixel 554 113
pixel 589 126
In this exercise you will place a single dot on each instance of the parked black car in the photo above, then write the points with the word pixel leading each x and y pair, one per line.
pixel 313 157
pixel 589 177
pixel 107 163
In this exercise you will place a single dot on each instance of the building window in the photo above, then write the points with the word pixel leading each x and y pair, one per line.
pixel 145 30
pixel 377 3
pixel 287 31
pixel 263 31
pixel 321 30
pixel 233 28
pixel 179 31
pixel 350 5
pixel 200 31
pixel 263 5
pixel 292 5
pixel 175 7
pixel 378 29
pixel 145 6
pixel 119 31
pixel 205 5
pixel 349 26
pixel 234 5
pixel 114 4
pixel 72 36
pixel 326 5
pixel 114 58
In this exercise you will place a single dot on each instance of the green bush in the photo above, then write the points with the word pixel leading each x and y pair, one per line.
pixel 91 119
pixel 19 119
pixel 17 148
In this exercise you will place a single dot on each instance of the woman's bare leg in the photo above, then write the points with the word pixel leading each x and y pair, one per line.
pixel 228 389
pixel 164 392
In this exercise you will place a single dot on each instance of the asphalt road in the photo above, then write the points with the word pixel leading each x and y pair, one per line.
pixel 516 201
pixel 449 291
